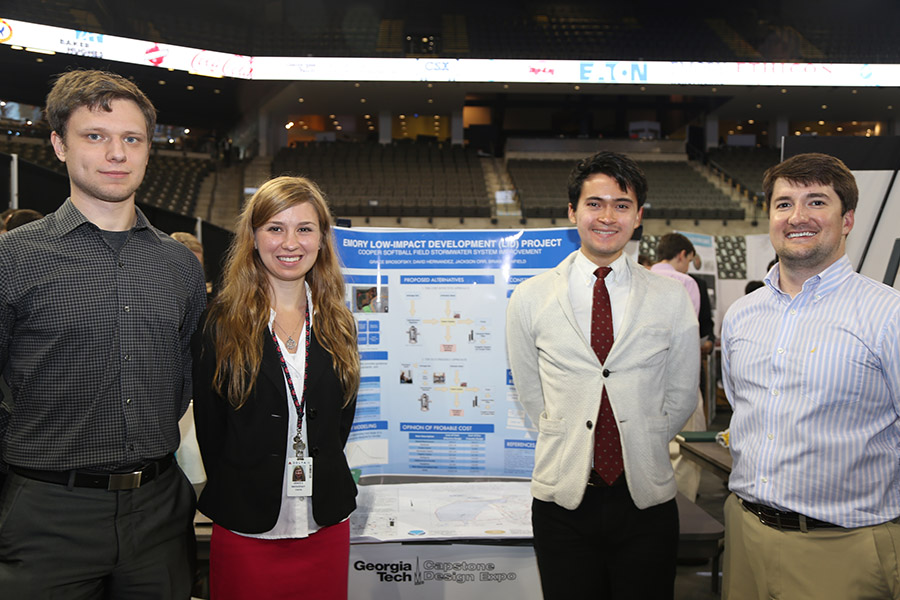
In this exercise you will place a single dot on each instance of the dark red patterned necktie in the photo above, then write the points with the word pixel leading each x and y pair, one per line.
pixel 607 447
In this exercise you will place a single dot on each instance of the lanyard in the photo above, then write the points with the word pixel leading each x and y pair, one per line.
pixel 299 446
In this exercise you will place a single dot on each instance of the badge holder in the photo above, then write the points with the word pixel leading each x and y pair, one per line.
pixel 301 472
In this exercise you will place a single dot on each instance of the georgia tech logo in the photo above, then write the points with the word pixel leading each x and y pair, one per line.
pixel 435 570
pixel 5 31
pixel 392 571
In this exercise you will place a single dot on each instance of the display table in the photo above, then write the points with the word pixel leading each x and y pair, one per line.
pixel 462 540
pixel 709 455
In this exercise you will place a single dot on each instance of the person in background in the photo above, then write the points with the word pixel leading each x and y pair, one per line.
pixel 3 217
pixel 704 315
pixel 193 244
pixel 97 310
pixel 605 359
pixel 188 454
pixel 707 334
pixel 674 255
pixel 811 366
pixel 21 217
pixel 276 376
pixel 190 241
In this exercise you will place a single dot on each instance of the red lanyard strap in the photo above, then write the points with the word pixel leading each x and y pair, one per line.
pixel 299 404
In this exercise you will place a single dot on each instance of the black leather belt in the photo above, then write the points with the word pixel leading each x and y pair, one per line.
pixel 595 480
pixel 107 481
pixel 784 520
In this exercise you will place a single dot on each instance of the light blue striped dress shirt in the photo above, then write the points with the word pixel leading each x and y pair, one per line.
pixel 815 386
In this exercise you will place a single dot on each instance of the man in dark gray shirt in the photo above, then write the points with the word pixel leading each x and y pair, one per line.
pixel 97 308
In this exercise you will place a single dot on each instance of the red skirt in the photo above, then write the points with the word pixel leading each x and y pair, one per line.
pixel 315 567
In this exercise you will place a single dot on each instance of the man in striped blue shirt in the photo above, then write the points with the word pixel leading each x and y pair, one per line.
pixel 811 366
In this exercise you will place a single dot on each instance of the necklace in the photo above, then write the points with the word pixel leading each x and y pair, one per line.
pixel 290 343
pixel 299 445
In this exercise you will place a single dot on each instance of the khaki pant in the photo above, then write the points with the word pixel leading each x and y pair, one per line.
pixel 763 563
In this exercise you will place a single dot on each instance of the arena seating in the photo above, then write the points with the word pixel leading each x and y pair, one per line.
pixel 559 32
pixel 541 187
pixel 171 182
pixel 36 152
pixel 746 165
pixel 396 180
pixel 546 30
pixel 676 191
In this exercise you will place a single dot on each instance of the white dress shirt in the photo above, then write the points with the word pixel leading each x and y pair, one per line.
pixel 581 291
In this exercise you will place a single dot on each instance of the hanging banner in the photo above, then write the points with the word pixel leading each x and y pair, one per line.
pixel 48 39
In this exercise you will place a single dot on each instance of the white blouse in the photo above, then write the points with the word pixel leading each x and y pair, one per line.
pixel 295 519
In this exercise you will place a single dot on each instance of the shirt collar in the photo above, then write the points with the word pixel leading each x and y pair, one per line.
pixel 820 284
pixel 662 266
pixel 585 269
pixel 69 218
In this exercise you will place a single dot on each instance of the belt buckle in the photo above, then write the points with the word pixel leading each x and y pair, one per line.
pixel 124 481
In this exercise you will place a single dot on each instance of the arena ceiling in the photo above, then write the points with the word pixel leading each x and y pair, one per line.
pixel 219 104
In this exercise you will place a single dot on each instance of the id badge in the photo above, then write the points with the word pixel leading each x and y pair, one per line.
pixel 301 473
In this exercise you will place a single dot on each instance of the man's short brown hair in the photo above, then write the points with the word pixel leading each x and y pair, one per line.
pixel 815 168
pixel 95 90
pixel 671 244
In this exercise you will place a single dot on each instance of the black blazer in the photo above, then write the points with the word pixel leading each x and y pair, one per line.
pixel 244 450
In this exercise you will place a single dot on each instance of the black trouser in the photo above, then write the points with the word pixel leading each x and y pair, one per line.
pixel 74 543
pixel 606 548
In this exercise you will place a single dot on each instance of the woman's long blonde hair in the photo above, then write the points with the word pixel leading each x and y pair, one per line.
pixel 240 312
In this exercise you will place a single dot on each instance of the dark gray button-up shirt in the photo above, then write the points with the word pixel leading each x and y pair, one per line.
pixel 94 343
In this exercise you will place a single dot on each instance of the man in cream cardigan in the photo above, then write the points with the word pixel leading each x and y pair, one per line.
pixel 604 515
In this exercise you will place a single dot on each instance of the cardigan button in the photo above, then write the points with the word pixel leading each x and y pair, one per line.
pixel 312 413
pixel 589 425
pixel 314 452
pixel 606 372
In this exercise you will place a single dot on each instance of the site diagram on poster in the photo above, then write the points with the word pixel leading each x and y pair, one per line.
pixel 442 511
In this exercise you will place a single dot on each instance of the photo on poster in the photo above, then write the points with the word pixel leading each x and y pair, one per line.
pixel 369 299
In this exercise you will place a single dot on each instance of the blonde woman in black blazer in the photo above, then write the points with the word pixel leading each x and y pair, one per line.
pixel 276 371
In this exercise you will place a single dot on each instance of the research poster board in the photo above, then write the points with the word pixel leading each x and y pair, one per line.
pixel 436 396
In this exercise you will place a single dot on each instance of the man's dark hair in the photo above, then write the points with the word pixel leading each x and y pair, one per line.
pixel 815 168
pixel 624 170
pixel 22 216
pixel 671 244
pixel 95 90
